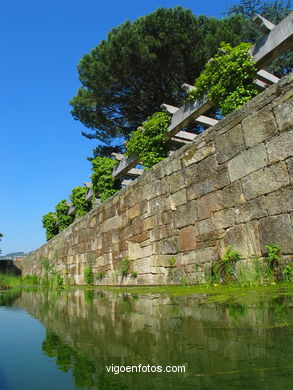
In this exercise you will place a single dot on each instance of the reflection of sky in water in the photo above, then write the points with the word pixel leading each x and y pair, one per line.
pixel 225 342
pixel 23 366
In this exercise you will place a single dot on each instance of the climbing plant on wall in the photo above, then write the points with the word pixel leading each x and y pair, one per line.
pixel 49 221
pixel 227 79
pixel 63 219
pixel 148 142
pixel 77 198
pixel 104 185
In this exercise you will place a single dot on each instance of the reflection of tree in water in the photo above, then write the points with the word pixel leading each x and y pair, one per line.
pixel 8 297
pixel 84 371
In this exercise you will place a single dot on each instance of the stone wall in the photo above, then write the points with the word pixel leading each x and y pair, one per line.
pixel 231 185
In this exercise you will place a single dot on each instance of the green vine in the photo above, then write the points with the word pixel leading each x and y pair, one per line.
pixel 104 185
pixel 77 198
pixel 227 79
pixel 148 142
pixel 49 221
pixel 63 219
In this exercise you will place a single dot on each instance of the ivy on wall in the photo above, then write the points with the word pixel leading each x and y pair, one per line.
pixel 104 185
pixel 227 79
pixel 50 224
pixel 63 219
pixel 148 142
pixel 77 198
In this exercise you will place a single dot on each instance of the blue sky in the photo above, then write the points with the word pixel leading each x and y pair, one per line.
pixel 43 154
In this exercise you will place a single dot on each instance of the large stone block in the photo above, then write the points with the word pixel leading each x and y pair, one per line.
pixel 258 127
pixel 238 238
pixel 284 115
pixel 209 203
pixel 247 162
pixel 200 256
pixel 187 238
pixel 175 182
pixel 265 180
pixel 281 201
pixel 224 218
pixel 277 230
pixel 194 154
pixel 185 215
pixel 229 144
pixel 233 194
pixel 251 210
pixel 169 246
pixel 280 147
pixel 177 199
pixel 205 226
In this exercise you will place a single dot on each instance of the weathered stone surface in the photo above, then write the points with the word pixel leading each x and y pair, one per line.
pixel 284 115
pixel 289 163
pixel 229 144
pixel 177 199
pixel 281 147
pixel 205 226
pixel 194 154
pixel 281 201
pixel 199 256
pixel 233 194
pixel 224 218
pixel 169 246
pixel 208 204
pixel 251 210
pixel 238 238
pixel 277 230
pixel 208 194
pixel 185 215
pixel 247 162
pixel 187 238
pixel 175 182
pixel 265 180
pixel 258 127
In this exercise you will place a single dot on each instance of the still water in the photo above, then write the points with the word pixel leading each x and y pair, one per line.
pixel 224 338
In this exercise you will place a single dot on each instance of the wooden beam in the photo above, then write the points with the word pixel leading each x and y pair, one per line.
pixel 169 109
pixel 267 76
pixel 118 156
pixel 134 172
pixel 205 120
pixel 125 182
pixel 260 85
pixel 273 44
pixel 187 87
pixel 186 115
pixel 124 166
pixel 185 135
pixel 264 24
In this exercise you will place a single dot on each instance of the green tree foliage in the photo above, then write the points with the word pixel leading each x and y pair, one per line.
pixel 50 224
pixel 275 12
pixel 148 142
pixel 63 219
pixel 77 198
pixel 104 185
pixel 142 64
pixel 227 80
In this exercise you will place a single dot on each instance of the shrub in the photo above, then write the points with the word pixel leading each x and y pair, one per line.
pixel 63 219
pixel 227 79
pixel 77 198
pixel 104 185
pixel 50 224
pixel 124 267
pixel 88 275
pixel 148 142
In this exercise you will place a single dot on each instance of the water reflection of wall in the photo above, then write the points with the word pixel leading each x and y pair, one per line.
pixel 87 330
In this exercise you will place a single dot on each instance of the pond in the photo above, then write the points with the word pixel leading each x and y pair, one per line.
pixel 220 338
